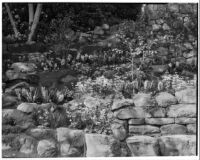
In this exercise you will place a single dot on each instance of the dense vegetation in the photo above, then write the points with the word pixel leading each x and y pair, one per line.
pixel 68 15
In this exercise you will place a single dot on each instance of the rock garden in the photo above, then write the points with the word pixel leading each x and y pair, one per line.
pixel 122 87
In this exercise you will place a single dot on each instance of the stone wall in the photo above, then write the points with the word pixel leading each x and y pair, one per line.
pixel 146 125
pixel 185 17
pixel 157 125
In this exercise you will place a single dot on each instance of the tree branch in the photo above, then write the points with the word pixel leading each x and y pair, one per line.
pixel 31 14
pixel 35 23
pixel 12 21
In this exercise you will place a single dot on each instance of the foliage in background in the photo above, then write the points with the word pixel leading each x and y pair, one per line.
pixel 43 95
pixel 96 14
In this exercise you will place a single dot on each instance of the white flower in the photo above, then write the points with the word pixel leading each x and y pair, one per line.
pixel 160 86
pixel 60 96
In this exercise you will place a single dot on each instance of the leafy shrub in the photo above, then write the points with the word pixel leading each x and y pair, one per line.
pixel 99 86
pixel 52 117
pixel 30 94
pixel 92 120
pixel 43 94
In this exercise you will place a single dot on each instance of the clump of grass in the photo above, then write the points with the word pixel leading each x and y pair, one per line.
pixel 43 95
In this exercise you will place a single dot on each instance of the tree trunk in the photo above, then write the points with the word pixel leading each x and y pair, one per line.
pixel 31 15
pixel 12 20
pixel 35 23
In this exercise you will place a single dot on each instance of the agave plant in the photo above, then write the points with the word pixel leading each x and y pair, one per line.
pixel 30 94
pixel 55 95
pixel 18 93
pixel 45 94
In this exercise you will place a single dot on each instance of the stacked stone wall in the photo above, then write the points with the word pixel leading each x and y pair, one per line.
pixel 152 123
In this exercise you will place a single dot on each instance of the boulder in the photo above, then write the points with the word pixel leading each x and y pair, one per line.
pixel 98 145
pixel 98 30
pixel 142 100
pixel 27 107
pixel 64 148
pixel 41 133
pixel 68 79
pixel 24 67
pixel 47 148
pixel 165 99
pixel 7 113
pixel 159 121
pixel 74 152
pixel 76 138
pixel 158 112
pixel 143 129
pixel 119 130
pixel 173 129
pixel 23 120
pixel 16 77
pixel 178 145
pixel 119 103
pixel 12 74
pixel 8 101
pixel 28 145
pixel 72 105
pixel 105 26
pixel 131 112
pixel 91 102
pixel 192 129
pixel 182 110
pixel 45 106
pixel 185 120
pixel 136 121
pixel 186 96
pixel 143 146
